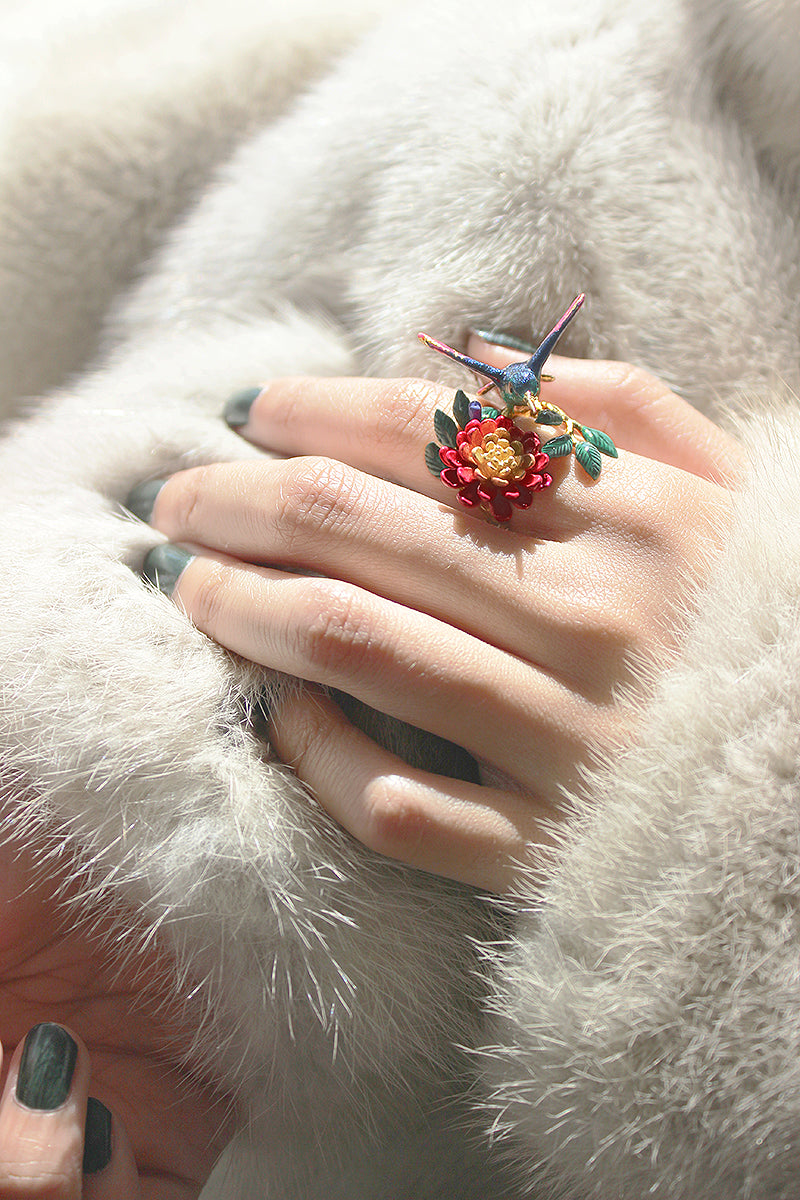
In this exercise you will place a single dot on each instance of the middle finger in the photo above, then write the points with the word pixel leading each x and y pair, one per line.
pixel 540 600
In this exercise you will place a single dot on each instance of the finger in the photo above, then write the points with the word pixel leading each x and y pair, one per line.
pixel 317 515
pixel 378 425
pixel 478 836
pixel 534 598
pixel 399 661
pixel 42 1117
pixel 637 410
pixel 382 426
pixel 110 1171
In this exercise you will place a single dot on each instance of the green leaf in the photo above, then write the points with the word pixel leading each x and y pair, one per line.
pixel 546 416
pixel 432 460
pixel 487 412
pixel 461 408
pixel 601 440
pixel 558 446
pixel 445 428
pixel 589 458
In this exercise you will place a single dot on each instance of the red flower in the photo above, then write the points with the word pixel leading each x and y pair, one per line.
pixel 495 464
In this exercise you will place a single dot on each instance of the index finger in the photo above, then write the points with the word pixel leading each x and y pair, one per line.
pixel 636 409
pixel 379 426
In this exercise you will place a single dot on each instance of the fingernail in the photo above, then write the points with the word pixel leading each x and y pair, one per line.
pixel 164 565
pixel 141 501
pixel 97 1139
pixel 498 338
pixel 237 410
pixel 46 1068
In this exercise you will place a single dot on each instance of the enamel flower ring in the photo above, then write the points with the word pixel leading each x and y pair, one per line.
pixel 482 450
pixel 495 464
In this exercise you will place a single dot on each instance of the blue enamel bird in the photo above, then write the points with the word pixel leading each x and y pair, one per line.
pixel 519 382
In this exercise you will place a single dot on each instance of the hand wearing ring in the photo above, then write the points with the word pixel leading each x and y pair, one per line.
pixel 523 644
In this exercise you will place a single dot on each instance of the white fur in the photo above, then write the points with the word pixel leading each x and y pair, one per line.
pixel 476 168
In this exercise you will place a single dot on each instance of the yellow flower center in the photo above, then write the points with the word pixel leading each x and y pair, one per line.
pixel 498 459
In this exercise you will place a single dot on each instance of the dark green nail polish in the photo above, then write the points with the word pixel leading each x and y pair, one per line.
pixel 163 566
pixel 46 1068
pixel 237 410
pixel 141 501
pixel 498 338
pixel 97 1140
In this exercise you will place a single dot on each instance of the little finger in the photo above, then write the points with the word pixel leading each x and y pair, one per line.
pixel 476 835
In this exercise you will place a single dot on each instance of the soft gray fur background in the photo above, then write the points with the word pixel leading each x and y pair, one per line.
pixel 194 199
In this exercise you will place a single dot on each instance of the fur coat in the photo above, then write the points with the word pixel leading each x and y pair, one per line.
pixel 195 197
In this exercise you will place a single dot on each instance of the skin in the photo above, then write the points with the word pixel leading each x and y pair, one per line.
pixel 167 1129
pixel 530 645
pixel 524 644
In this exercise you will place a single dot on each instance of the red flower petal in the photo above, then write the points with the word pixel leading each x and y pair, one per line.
pixel 501 508
pixel 469 496
pixel 537 482
pixel 525 498
pixel 519 495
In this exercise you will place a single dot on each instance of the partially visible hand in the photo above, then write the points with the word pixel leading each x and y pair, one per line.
pixel 526 644
pixel 55 1141
pixel 156 1131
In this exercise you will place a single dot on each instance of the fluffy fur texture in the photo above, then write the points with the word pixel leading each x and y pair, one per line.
pixel 643 1017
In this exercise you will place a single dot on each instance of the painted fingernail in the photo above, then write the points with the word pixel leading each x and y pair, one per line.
pixel 237 410
pixel 164 566
pixel 498 338
pixel 97 1139
pixel 46 1068
pixel 141 501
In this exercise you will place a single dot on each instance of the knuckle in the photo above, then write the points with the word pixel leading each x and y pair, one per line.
pixel 395 822
pixel 628 379
pixel 304 728
pixel 612 649
pixel 405 413
pixel 635 389
pixel 334 627
pixel 316 494
pixel 609 630
pixel 209 598
pixel 186 494
pixel 45 1181
pixel 599 628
